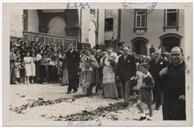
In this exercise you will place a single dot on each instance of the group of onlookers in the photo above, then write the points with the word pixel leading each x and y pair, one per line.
pixel 36 62
pixel 158 78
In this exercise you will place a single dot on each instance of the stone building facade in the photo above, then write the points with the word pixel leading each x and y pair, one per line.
pixel 139 29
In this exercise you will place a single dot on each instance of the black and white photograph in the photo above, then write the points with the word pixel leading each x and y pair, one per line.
pixel 97 64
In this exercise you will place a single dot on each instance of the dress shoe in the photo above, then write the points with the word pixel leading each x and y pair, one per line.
pixel 68 92
pixel 157 108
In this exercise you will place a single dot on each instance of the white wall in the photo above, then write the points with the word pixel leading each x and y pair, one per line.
pixel 16 22
pixel 101 27
pixel 115 24
pixel 33 22
pixel 85 21
pixel 108 35
pixel 92 34
pixel 112 13
pixel 89 27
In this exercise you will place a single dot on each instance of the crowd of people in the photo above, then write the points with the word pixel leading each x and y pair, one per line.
pixel 36 62
pixel 157 79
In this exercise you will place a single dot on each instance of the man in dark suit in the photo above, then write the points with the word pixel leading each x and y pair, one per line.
pixel 98 72
pixel 156 64
pixel 73 60
pixel 126 68
pixel 12 66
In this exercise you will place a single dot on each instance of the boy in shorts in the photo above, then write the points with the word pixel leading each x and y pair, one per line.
pixel 145 91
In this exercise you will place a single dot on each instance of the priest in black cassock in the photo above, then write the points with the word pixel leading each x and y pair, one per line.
pixel 73 60
pixel 173 87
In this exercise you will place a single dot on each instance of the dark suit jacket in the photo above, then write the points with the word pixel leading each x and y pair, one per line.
pixel 126 68
pixel 73 60
pixel 155 68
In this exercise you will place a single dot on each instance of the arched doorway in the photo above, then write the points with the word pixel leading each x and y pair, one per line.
pixel 139 45
pixel 92 33
pixel 57 26
pixel 65 22
pixel 168 41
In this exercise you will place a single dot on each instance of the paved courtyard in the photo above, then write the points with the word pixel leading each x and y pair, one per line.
pixel 40 104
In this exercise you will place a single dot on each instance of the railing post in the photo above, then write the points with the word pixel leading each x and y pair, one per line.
pixel 44 39
pixel 63 42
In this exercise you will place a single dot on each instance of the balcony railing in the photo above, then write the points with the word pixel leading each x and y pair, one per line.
pixel 49 38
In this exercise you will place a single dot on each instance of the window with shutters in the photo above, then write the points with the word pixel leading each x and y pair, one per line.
pixel 171 17
pixel 140 19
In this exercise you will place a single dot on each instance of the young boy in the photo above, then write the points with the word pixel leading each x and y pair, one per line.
pixel 145 92
pixel 17 69
pixel 22 72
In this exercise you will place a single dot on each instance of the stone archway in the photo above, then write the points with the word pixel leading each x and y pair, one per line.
pixel 168 41
pixel 57 16
pixel 139 45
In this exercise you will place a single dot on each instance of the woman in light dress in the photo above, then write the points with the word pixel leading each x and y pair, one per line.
pixel 109 84
pixel 28 67
pixel 33 67
pixel 65 71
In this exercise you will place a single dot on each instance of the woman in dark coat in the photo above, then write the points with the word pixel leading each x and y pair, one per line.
pixel 173 87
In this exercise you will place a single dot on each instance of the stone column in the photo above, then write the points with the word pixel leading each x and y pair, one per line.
pixel 85 21
pixel 101 27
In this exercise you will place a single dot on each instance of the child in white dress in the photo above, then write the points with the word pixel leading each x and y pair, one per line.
pixel 33 67
pixel 139 78
pixel 28 66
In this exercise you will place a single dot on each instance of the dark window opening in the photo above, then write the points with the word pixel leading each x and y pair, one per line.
pixel 109 24
pixel 139 47
pixel 172 19
pixel 170 42
pixel 92 11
